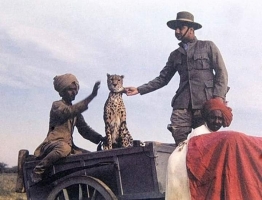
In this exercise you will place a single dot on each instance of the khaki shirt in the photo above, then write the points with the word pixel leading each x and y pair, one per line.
pixel 202 72
pixel 63 119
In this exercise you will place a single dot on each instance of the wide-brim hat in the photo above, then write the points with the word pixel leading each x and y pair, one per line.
pixel 184 17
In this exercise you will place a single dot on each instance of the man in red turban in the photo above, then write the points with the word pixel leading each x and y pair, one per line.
pixel 216 114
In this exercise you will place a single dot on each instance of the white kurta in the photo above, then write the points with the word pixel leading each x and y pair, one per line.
pixel 177 183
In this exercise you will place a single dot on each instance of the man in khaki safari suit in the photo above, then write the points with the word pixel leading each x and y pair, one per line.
pixel 202 72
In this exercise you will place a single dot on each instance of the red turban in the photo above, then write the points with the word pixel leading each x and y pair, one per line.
pixel 216 104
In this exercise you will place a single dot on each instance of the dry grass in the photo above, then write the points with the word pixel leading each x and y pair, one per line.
pixel 7 188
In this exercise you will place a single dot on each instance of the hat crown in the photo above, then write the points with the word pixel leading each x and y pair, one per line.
pixel 185 16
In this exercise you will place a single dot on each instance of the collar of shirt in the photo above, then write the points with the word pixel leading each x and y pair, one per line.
pixel 186 46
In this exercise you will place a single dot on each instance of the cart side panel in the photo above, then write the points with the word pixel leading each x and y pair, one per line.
pixel 143 173
pixel 162 154
pixel 136 173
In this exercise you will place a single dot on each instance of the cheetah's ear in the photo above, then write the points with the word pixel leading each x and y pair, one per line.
pixel 122 76
pixel 108 75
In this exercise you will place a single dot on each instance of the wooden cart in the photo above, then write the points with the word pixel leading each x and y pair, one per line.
pixel 126 173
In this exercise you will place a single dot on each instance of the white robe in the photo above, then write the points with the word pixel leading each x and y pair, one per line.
pixel 177 183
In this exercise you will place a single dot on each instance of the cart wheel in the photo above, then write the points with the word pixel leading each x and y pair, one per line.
pixel 81 188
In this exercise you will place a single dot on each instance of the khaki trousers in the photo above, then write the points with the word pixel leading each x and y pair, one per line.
pixel 52 152
pixel 182 122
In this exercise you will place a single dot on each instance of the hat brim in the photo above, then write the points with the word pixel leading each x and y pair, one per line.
pixel 173 24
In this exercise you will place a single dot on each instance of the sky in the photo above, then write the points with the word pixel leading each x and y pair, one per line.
pixel 90 38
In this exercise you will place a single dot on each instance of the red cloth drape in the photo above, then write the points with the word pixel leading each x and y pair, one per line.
pixel 225 165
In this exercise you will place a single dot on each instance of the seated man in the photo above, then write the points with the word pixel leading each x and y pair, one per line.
pixel 216 114
pixel 63 118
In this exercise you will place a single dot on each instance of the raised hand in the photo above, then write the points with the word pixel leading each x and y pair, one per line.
pixel 95 88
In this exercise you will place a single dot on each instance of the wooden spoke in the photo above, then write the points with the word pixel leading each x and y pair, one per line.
pixel 82 188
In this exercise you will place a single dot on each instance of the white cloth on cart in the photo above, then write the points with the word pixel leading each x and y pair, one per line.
pixel 177 182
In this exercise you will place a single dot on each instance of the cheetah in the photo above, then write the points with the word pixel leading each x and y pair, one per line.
pixel 117 133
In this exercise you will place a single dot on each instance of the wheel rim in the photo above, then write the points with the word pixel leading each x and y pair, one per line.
pixel 81 188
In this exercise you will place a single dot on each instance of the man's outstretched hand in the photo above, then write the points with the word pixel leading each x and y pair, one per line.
pixel 131 91
pixel 95 88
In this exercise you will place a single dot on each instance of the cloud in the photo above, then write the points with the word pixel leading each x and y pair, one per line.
pixel 57 43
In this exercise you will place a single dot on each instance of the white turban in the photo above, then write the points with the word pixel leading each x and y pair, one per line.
pixel 63 81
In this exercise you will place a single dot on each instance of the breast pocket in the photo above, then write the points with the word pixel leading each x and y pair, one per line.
pixel 201 61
